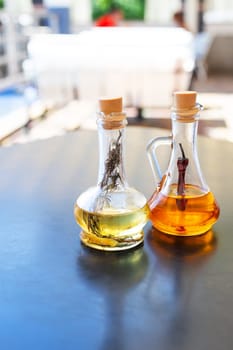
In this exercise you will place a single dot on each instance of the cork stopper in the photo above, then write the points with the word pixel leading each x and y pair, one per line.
pixel 113 116
pixel 185 99
pixel 185 106
pixel 110 105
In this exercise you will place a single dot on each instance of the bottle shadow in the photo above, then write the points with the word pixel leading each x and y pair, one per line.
pixel 113 275
pixel 179 259
pixel 176 282
pixel 193 249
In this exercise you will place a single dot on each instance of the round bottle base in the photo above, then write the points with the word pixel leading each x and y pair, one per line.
pixel 182 232
pixel 111 244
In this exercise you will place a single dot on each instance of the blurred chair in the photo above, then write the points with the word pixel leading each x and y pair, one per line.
pixel 219 56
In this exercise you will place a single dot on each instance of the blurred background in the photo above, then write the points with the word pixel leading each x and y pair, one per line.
pixel 57 57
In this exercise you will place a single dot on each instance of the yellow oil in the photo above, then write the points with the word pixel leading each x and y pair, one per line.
pixel 112 229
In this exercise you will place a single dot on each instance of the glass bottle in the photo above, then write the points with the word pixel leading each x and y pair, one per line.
pixel 112 214
pixel 182 204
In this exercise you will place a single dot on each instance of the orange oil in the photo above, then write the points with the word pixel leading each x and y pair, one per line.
pixel 188 215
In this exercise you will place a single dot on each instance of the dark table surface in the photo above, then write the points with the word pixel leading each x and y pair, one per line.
pixel 57 294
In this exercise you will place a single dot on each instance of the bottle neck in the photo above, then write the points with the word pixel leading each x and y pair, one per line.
pixel 184 130
pixel 184 161
pixel 111 175
pixel 185 134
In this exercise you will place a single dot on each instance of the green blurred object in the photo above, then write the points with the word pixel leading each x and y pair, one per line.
pixel 132 9
pixel 1 4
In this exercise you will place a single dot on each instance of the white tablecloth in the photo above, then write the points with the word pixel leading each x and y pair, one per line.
pixel 142 64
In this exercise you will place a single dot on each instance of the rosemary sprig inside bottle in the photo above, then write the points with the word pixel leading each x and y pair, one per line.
pixel 182 164
pixel 93 224
pixel 112 174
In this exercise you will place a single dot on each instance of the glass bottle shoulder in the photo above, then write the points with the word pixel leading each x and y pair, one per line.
pixel 120 199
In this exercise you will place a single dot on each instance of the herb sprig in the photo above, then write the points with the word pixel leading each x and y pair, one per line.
pixel 112 174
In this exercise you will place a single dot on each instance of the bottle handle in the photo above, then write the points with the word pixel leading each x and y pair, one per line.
pixel 151 153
